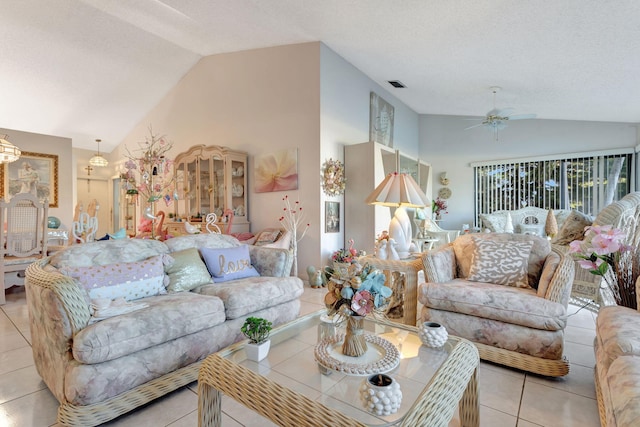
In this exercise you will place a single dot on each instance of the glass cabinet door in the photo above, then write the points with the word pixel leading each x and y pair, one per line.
pixel 218 186
pixel 206 189
pixel 192 189
pixel 238 188
pixel 408 165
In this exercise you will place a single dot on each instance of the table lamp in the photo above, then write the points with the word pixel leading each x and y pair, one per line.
pixel 401 191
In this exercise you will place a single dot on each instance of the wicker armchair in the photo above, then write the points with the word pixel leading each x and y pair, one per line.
pixel 521 327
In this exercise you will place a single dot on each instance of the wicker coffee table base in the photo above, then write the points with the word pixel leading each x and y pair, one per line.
pixel 454 385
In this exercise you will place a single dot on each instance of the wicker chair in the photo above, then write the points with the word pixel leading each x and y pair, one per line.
pixel 520 327
pixel 25 238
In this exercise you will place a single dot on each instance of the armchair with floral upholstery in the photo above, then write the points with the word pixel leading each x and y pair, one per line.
pixel 507 293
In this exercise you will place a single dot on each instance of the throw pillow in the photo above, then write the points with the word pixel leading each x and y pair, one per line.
pixel 128 280
pixel 502 263
pixel 187 271
pixel 269 235
pixel 573 228
pixel 228 263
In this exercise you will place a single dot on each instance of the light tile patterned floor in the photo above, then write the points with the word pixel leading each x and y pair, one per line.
pixel 508 398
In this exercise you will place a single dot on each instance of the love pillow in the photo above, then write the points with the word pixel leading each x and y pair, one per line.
pixel 228 263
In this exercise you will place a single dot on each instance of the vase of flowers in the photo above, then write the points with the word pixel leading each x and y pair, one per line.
pixel 352 296
pixel 438 206
pixel 343 258
pixel 604 253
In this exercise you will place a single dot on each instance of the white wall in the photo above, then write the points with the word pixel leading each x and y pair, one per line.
pixel 258 101
pixel 345 94
pixel 448 147
pixel 48 144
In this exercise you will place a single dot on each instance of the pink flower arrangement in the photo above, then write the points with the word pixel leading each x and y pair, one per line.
pixel 604 253
pixel 346 255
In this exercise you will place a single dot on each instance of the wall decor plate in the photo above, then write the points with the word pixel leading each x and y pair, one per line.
pixel 444 193
pixel 381 356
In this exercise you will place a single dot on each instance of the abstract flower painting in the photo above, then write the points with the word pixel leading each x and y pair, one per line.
pixel 277 171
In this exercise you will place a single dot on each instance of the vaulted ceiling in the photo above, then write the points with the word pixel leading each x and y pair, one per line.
pixel 89 69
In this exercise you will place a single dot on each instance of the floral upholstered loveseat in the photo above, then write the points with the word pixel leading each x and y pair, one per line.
pixel 103 356
pixel 508 293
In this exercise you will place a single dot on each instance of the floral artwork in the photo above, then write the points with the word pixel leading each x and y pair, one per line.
pixel 604 253
pixel 381 121
pixel 277 171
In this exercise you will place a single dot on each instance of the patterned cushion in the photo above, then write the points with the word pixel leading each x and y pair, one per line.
pixel 573 228
pixel 494 222
pixel 503 263
pixel 269 235
pixel 128 280
pixel 229 263
pixel 187 271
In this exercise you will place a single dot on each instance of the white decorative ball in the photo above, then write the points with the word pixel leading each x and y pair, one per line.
pixel 433 334
pixel 381 394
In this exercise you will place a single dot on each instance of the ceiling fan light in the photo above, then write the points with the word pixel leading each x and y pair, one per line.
pixel 8 152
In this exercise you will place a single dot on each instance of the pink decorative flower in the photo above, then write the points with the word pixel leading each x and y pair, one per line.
pixel 362 303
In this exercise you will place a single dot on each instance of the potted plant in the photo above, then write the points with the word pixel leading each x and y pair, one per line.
pixel 257 330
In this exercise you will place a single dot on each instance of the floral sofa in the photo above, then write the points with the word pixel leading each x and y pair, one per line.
pixel 617 371
pixel 101 360
pixel 508 293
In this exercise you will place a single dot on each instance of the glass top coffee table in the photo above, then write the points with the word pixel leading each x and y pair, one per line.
pixel 290 388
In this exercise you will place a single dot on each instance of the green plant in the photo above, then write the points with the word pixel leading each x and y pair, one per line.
pixel 256 329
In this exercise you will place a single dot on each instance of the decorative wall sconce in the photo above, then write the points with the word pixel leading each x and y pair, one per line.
pixel 443 179
pixel 333 180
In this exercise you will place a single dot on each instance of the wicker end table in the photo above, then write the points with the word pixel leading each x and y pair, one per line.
pixel 402 276
pixel 434 382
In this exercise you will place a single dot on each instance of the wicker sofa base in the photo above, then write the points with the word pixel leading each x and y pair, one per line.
pixel 98 413
pixel 524 362
pixel 601 408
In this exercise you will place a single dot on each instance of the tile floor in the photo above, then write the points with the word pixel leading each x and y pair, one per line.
pixel 508 398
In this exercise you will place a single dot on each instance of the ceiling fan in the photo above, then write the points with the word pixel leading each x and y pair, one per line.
pixel 496 119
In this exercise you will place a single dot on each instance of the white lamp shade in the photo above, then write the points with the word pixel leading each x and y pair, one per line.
pixel 398 189
pixel 98 161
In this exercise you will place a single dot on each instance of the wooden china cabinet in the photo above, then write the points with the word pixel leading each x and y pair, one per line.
pixel 210 179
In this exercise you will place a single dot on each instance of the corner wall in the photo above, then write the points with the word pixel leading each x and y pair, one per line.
pixel 259 101
pixel 345 95
pixel 48 144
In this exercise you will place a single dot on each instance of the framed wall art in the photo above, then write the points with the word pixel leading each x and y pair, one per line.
pixel 381 121
pixel 276 171
pixel 33 173
pixel 331 217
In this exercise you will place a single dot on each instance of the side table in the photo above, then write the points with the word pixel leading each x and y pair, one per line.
pixel 397 272
pixel 425 243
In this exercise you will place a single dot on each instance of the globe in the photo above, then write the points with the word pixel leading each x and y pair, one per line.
pixel 53 222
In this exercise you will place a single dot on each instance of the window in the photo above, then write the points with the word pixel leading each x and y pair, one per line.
pixel 586 182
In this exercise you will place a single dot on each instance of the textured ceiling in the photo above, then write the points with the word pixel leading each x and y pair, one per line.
pixel 90 69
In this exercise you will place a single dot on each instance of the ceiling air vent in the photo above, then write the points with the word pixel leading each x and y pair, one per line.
pixel 397 84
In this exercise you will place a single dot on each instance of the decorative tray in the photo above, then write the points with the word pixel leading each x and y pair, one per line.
pixel 381 356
